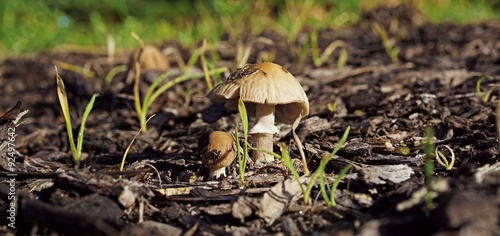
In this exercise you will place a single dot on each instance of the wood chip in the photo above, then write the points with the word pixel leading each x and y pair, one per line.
pixel 272 204
pixel 383 173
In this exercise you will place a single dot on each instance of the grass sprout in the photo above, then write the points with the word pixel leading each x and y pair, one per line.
pixel 320 171
pixel 335 185
pixel 242 159
pixel 112 73
pixel 285 158
pixel 299 21
pixel 342 61
pixel 318 59
pixel 300 53
pixel 442 160
pixel 76 149
pixel 387 42
pixel 125 154
pixel 74 68
pixel 154 91
pixel 498 121
pixel 318 174
pixel 486 95
pixel 196 54
pixel 332 106
pixel 429 164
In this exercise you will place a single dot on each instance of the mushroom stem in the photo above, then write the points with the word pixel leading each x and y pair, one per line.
pixel 217 172
pixel 263 131
pixel 264 142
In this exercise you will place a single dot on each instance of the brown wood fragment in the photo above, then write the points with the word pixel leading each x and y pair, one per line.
pixel 272 204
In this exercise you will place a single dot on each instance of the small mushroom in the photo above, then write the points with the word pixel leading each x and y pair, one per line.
pixel 270 94
pixel 217 151
pixel 150 57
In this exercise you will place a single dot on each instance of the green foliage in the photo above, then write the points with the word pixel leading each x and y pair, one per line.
pixel 332 106
pixel 442 159
pixel 320 171
pixel 112 73
pixel 89 22
pixel 318 59
pixel 388 43
pixel 242 159
pixel 335 185
pixel 54 23
pixel 429 163
pixel 285 158
pixel 125 154
pixel 497 121
pixel 486 95
pixel 76 150
pixel 153 92
pixel 462 11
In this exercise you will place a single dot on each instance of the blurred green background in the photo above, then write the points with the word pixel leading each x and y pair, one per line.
pixel 35 25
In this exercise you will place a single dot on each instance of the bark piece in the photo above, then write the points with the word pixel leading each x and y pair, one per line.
pixel 272 204
pixel 383 173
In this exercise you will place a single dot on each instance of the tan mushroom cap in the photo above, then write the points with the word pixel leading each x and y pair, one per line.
pixel 151 58
pixel 220 150
pixel 264 83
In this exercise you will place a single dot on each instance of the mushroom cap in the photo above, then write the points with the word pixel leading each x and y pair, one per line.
pixel 263 83
pixel 151 58
pixel 218 150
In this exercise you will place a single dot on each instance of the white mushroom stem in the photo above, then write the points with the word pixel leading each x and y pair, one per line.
pixel 217 172
pixel 263 131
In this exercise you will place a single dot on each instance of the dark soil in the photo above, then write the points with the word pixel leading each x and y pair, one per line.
pixel 165 190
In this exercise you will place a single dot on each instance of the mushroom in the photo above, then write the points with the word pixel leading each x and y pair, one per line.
pixel 148 58
pixel 151 58
pixel 270 94
pixel 217 151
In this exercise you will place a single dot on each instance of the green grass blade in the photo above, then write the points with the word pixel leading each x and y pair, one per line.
pixel 193 59
pixel 79 142
pixel 112 73
pixel 288 162
pixel 147 97
pixel 244 121
pixel 322 187
pixel 63 101
pixel 444 160
pixel 310 185
pixel 178 80
pixel 340 144
pixel 336 183
pixel 122 165
pixel 238 155
pixel 285 158
pixel 429 163
pixel 151 89
pixel 498 121
pixel 321 168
